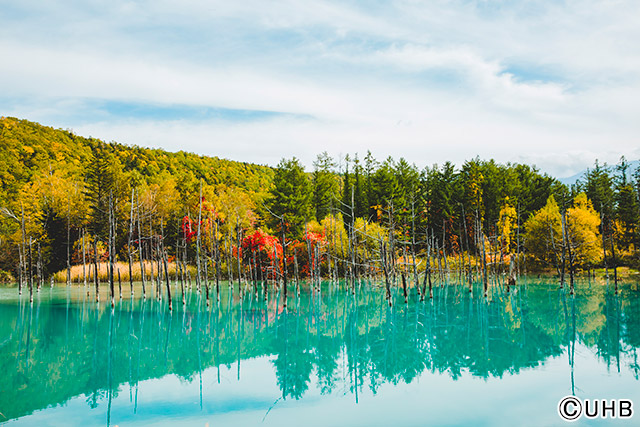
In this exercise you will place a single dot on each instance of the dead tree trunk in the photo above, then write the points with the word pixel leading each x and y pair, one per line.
pixel 141 258
pixel 569 244
pixel 604 246
pixel 22 252
pixel 40 268
pixel 427 273
pixel 284 261
pixel 217 259
pixel 206 278
pixel 68 242
pixel 110 248
pixel 30 274
pixel 309 253
pixel 295 268
pixel 239 253
pixel 615 265
pixel 563 258
pixel 413 244
pixel 183 267
pixel 166 274
pixel 129 243
pixel 226 247
pixel 383 260
pixel 484 260
pixel 95 267
pixel 198 267
pixel 84 260
pixel 151 256
pixel 404 287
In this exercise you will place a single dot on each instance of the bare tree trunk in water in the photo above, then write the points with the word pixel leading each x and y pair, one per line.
pixel 295 267
pixel 95 267
pixel 23 253
pixel 144 288
pixel 484 261
pixel 198 267
pixel 84 260
pixel 217 259
pixel 383 257
pixel 604 246
pixel 40 269
pixel 404 287
pixel 166 274
pixel 68 242
pixel 119 283
pixel 239 242
pixel 30 274
pixel 615 265
pixel 284 262
pixel 111 248
pixel 129 243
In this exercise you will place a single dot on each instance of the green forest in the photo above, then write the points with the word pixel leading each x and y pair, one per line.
pixel 68 201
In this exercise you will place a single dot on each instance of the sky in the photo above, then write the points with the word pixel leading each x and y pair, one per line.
pixel 551 83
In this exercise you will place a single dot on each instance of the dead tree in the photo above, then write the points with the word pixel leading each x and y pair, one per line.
pixel 110 248
pixel 615 264
pixel 284 259
pixel 309 253
pixel 239 252
pixel 129 243
pixel 481 239
pixel 142 275
pixel 206 277
pixel 427 273
pixel 40 269
pixel 198 272
pixel 383 260
pixel 568 242
pixel 68 242
pixel 95 267
pixel 84 260
pixel 30 273
pixel 166 271
pixel 604 246
pixel 217 259
pixel 183 266
pixel 404 287
pixel 119 283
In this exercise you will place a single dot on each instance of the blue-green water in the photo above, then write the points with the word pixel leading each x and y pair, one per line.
pixel 331 358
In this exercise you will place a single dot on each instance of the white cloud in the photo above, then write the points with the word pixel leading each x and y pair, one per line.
pixel 553 83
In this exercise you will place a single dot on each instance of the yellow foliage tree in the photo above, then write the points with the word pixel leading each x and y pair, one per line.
pixel 582 231
pixel 544 234
pixel 506 220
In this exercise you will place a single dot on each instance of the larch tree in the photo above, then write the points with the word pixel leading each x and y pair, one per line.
pixel 582 232
pixel 544 235
pixel 325 185
pixel 290 196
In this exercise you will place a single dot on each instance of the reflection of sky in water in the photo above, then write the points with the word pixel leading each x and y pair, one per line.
pixel 530 397
pixel 512 356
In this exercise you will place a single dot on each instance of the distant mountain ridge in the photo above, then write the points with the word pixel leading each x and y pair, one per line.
pixel 570 180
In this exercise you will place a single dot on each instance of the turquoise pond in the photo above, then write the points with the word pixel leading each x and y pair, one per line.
pixel 330 358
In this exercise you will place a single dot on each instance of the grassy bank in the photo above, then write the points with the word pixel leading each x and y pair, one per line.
pixel 103 272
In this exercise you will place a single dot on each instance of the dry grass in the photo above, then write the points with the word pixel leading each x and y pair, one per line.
pixel 103 272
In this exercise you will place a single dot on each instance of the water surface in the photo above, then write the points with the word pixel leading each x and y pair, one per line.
pixel 329 358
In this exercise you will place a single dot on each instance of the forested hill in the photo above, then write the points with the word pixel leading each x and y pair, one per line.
pixel 28 148
pixel 60 192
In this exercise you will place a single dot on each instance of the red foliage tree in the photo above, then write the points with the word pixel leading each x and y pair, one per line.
pixel 264 246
